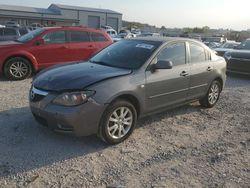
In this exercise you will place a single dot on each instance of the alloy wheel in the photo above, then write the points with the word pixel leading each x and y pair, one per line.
pixel 120 122
pixel 19 69
pixel 213 94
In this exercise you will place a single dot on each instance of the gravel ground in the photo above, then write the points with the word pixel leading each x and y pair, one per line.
pixel 186 147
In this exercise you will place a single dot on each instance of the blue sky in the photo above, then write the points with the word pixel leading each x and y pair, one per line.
pixel 170 13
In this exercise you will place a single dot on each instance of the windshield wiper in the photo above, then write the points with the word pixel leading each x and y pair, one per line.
pixel 106 64
pixel 99 62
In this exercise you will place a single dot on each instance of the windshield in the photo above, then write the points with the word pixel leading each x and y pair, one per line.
pixel 228 45
pixel 127 54
pixel 29 36
pixel 244 45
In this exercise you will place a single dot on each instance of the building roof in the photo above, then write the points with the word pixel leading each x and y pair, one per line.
pixel 85 9
pixel 27 9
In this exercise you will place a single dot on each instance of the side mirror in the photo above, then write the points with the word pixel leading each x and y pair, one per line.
pixel 39 42
pixel 162 65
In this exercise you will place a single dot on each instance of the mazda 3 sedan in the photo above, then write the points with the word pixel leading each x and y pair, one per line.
pixel 127 80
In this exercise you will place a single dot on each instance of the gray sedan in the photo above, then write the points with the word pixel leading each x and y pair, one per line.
pixel 127 80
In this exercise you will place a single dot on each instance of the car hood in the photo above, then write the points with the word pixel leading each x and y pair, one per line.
pixel 9 43
pixel 76 76
pixel 240 54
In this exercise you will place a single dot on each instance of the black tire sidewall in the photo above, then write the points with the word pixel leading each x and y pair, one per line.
pixel 104 122
pixel 205 102
pixel 9 63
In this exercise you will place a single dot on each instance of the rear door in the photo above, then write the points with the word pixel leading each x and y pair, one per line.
pixel 81 48
pixel 170 86
pixel 55 49
pixel 201 70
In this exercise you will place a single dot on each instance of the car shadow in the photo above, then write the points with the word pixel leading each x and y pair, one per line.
pixel 3 79
pixel 25 145
pixel 168 113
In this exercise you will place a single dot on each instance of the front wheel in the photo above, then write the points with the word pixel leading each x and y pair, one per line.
pixel 212 96
pixel 118 122
pixel 17 68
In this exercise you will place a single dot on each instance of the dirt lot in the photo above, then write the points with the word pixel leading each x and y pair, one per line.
pixel 186 147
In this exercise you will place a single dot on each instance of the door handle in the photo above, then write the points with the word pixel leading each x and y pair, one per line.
pixel 91 46
pixel 184 73
pixel 209 68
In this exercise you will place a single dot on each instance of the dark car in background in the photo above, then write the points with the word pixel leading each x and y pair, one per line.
pixel 12 33
pixel 226 47
pixel 127 80
pixel 238 60
pixel 213 42
pixel 45 47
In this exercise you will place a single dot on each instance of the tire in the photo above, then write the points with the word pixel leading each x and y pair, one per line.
pixel 17 68
pixel 212 95
pixel 114 129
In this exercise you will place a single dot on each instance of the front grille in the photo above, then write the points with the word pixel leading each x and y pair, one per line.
pixel 37 95
pixel 37 98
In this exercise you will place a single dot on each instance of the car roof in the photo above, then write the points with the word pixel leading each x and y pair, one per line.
pixel 164 39
pixel 74 29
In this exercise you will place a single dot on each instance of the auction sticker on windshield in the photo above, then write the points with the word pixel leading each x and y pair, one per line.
pixel 145 46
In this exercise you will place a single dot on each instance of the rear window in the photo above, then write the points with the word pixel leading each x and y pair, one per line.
pixel 23 31
pixel 98 37
pixel 8 31
pixel 79 36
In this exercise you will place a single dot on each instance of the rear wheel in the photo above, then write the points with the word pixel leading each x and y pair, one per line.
pixel 212 96
pixel 17 68
pixel 118 122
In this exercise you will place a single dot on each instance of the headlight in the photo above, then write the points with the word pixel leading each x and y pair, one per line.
pixel 73 98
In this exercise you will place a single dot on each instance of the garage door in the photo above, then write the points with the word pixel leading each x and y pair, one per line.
pixel 113 22
pixel 94 21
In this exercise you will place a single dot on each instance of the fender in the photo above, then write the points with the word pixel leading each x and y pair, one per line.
pixel 26 54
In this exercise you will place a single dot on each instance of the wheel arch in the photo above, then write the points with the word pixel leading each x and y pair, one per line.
pixel 220 80
pixel 132 99
pixel 27 56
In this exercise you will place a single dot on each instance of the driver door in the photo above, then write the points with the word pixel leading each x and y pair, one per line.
pixel 55 50
pixel 166 87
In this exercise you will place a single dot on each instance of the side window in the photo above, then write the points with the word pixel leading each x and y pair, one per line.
pixel 197 53
pixel 98 37
pixel 9 32
pixel 79 36
pixel 1 31
pixel 57 37
pixel 175 53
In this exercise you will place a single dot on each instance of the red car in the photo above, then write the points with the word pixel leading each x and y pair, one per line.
pixel 45 47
